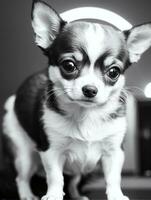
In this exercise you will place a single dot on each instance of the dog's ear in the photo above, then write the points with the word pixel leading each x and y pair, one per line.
pixel 138 41
pixel 46 23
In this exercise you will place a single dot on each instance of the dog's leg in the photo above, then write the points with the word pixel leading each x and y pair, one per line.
pixel 25 169
pixel 112 167
pixel 73 188
pixel 53 163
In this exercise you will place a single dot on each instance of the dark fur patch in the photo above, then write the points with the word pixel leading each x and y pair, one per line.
pixel 121 110
pixel 100 61
pixel 51 99
pixel 100 65
pixel 122 55
pixel 62 44
pixel 65 43
pixel 28 107
pixel 126 34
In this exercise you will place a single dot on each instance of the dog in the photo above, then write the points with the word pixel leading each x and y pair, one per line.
pixel 72 114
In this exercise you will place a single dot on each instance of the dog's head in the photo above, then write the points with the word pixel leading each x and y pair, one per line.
pixel 87 61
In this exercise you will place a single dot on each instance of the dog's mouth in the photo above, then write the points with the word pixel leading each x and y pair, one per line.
pixel 84 102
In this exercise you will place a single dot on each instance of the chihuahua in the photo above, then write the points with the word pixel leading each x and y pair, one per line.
pixel 72 115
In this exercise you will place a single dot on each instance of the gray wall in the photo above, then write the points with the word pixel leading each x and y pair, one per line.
pixel 19 56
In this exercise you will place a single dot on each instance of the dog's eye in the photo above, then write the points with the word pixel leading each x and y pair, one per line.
pixel 113 73
pixel 68 66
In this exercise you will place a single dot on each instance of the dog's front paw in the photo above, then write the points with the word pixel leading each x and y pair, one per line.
pixel 116 194
pixel 52 196
pixel 116 197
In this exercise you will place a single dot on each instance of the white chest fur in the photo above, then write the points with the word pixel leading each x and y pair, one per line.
pixel 83 138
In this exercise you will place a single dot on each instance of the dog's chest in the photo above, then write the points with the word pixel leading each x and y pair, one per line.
pixel 82 140
pixel 82 156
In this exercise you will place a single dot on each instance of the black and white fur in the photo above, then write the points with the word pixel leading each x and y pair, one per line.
pixel 51 119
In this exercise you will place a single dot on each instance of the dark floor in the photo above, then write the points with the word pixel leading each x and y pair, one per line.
pixel 100 195
pixel 135 188
pixel 132 194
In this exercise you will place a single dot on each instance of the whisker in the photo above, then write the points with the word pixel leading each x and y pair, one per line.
pixel 133 89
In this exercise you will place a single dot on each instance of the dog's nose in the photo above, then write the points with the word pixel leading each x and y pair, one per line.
pixel 89 91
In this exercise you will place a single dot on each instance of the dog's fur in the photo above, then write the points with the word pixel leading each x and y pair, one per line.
pixel 72 114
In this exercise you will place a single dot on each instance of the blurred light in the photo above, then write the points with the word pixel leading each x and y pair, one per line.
pixel 147 90
pixel 98 14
